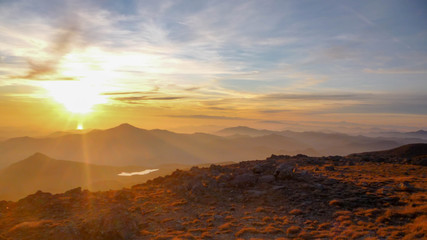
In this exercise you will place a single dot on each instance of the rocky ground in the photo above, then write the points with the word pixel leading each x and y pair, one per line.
pixel 281 197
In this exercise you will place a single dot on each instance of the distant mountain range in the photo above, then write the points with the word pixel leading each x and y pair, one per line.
pixel 127 145
pixel 334 143
pixel 420 134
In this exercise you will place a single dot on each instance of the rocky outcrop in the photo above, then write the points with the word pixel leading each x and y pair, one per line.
pixel 297 197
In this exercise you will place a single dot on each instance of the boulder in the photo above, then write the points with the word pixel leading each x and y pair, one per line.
pixel 284 171
pixel 244 180
pixel 266 179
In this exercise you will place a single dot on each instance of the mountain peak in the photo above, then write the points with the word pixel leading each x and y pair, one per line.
pixel 126 126
pixel 421 132
pixel 38 155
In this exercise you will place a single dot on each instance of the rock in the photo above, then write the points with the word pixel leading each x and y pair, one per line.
pixel 336 202
pixel 37 200
pixel 329 168
pixel 197 189
pixel 405 186
pixel 218 218
pixel 278 187
pixel 256 193
pixel 318 186
pixel 73 193
pixel 215 169
pixel 284 171
pixel 124 194
pixel 116 224
pixel 266 179
pixel 223 177
pixel 258 169
pixel 296 212
pixel 350 163
pixel 244 180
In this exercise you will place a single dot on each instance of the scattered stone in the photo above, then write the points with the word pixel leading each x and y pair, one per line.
pixel 284 172
pixel 244 180
pixel 75 192
pixel 266 179
pixel 293 230
pixel 405 186
pixel 274 199
pixel 296 212
pixel 329 168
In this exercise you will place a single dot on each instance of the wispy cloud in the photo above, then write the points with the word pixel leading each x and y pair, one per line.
pixel 279 59
pixel 208 117
pixel 61 44
pixel 146 98
pixel 120 93
pixel 315 96
pixel 394 71
pixel 271 122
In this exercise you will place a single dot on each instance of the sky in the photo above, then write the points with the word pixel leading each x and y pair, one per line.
pixel 202 65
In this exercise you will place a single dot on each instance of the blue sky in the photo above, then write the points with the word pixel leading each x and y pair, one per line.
pixel 351 61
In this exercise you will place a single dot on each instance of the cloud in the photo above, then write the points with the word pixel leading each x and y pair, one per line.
pixel 315 96
pixel 271 122
pixel 218 108
pixel 394 71
pixel 61 45
pixel 274 111
pixel 192 89
pixel 209 117
pixel 120 93
pixel 143 98
pixel 390 108
pixel 380 103
pixel 18 89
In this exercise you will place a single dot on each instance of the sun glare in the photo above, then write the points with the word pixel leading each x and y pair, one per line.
pixel 76 96
pixel 79 126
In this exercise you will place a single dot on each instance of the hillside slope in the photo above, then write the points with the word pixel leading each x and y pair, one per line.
pixel 296 197
pixel 410 153
pixel 40 172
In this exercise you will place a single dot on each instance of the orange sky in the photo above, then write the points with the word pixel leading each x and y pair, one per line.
pixel 203 66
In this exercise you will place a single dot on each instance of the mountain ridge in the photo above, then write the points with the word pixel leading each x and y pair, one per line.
pixel 129 145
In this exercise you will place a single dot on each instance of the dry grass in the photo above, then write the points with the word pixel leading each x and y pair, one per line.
pixel 246 230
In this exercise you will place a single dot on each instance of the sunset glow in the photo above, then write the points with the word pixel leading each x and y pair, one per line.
pixel 177 65
pixel 77 97
pixel 213 119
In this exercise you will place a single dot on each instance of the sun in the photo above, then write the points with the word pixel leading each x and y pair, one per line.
pixel 76 96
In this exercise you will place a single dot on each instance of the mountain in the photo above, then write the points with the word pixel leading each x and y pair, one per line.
pixel 410 153
pixel 245 131
pixel 281 197
pixel 40 172
pixel 406 151
pixel 128 145
pixel 420 134
pixel 323 143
